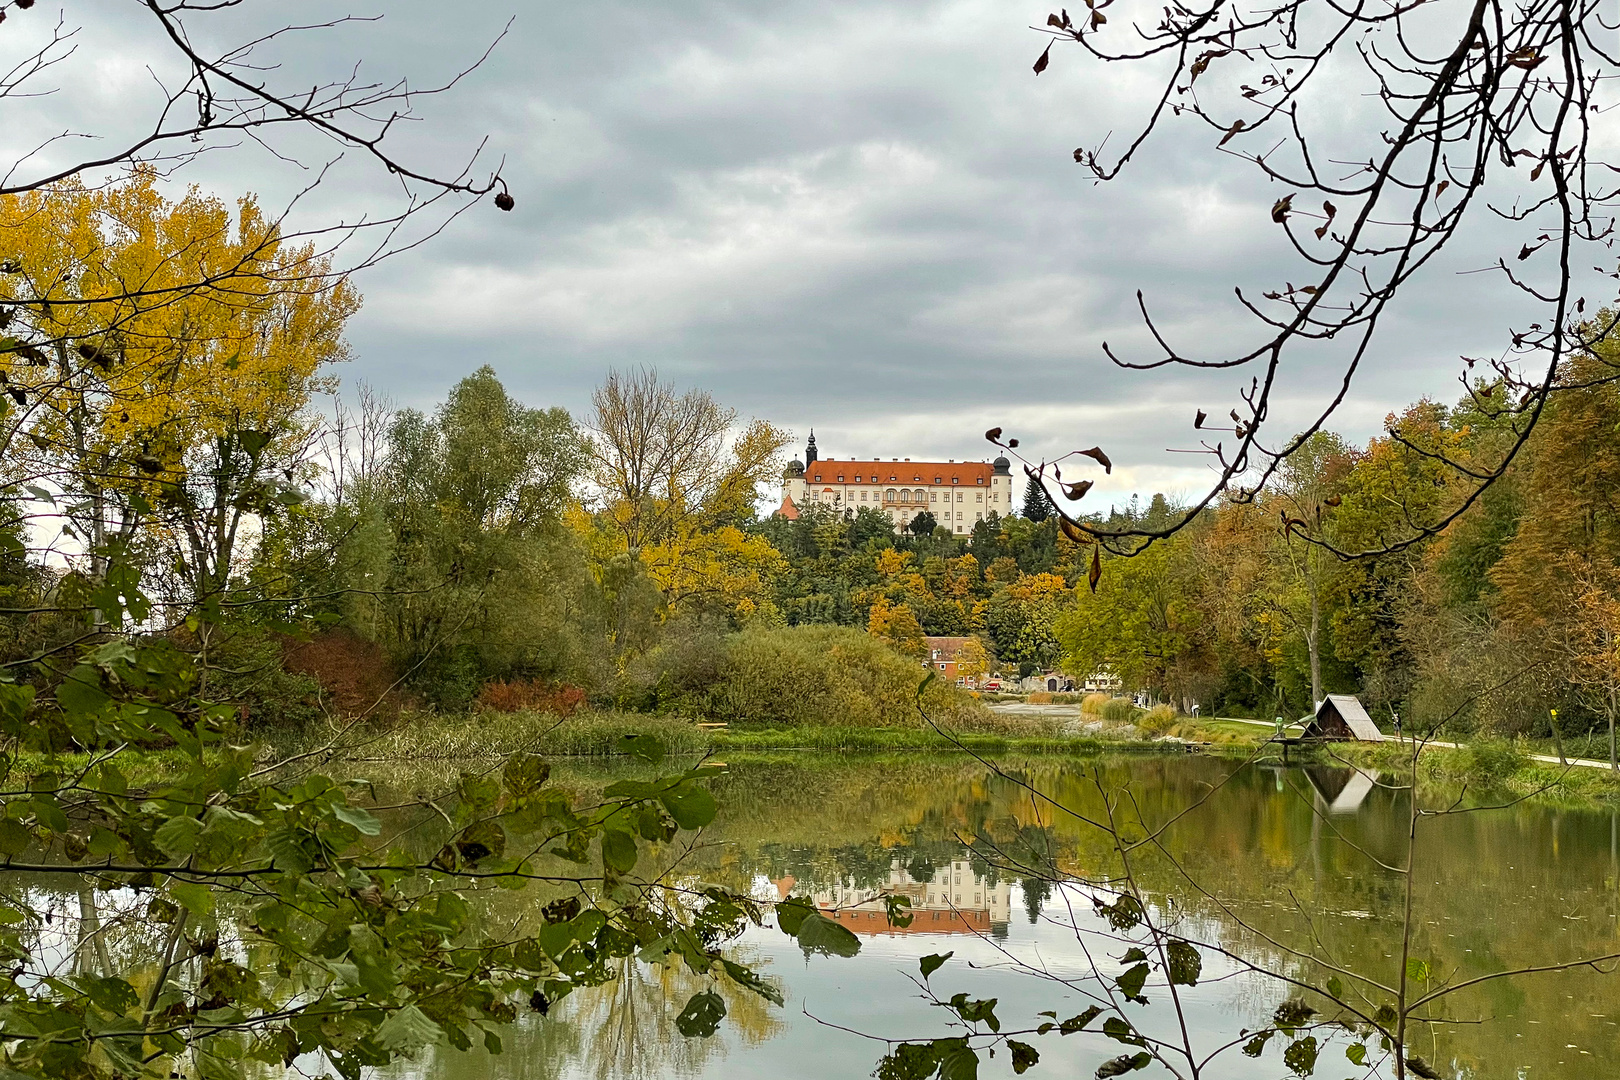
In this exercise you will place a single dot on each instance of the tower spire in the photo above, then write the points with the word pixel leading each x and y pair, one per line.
pixel 810 449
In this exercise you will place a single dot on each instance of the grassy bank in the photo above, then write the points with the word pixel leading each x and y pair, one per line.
pixel 1488 767
pixel 1492 767
pixel 597 733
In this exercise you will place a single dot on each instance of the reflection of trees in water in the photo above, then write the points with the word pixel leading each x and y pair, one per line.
pixel 83 930
pixel 622 1030
pixel 631 1021
pixel 1496 890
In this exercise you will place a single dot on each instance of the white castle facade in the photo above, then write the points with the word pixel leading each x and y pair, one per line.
pixel 958 493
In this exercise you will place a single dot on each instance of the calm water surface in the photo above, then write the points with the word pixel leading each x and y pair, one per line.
pixel 1276 858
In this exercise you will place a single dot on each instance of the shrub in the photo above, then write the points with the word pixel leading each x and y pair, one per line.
pixel 249 670
pixel 353 675
pixel 829 675
pixel 531 695
pixel 1093 704
pixel 1158 720
pixel 1039 697
pixel 1493 761
pixel 1118 710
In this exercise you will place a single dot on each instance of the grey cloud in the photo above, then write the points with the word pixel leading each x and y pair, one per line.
pixel 856 216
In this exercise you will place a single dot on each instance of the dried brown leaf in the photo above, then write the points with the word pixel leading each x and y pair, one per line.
pixel 1096 454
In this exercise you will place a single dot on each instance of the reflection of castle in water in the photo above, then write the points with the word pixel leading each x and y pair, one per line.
pixel 956 900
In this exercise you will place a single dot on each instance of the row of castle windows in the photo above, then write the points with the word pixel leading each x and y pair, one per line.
pixel 918 495
pixel 996 482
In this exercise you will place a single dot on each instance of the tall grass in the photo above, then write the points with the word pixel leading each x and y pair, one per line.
pixel 1118 710
pixel 438 737
pixel 1093 703
pixel 1158 720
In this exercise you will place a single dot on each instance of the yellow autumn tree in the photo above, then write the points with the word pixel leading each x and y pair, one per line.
pixel 676 477
pixel 159 357
pixel 724 568
pixel 896 624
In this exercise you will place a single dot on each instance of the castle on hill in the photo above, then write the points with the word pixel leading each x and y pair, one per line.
pixel 957 493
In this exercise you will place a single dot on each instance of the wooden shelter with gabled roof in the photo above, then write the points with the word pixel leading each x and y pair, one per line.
pixel 1341 718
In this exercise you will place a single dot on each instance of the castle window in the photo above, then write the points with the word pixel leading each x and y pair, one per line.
pixel 840 478
pixel 981 479
pixel 954 480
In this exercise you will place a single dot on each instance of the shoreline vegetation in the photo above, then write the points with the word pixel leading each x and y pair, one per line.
pixel 1487 767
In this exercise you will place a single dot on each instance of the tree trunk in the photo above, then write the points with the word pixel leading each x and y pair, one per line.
pixel 1614 764
pixel 1311 641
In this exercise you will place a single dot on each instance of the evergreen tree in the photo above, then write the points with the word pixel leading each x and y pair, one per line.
pixel 1037 504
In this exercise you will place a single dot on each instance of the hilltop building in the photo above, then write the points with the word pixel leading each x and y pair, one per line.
pixel 957 493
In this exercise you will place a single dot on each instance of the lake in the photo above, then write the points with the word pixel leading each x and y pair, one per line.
pixel 1277 859
pixel 1276 863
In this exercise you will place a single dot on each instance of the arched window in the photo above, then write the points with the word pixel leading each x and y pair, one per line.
pixel 888 496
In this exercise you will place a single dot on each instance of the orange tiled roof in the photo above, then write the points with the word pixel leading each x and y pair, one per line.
pixel 898 472
pixel 875 920
pixel 788 510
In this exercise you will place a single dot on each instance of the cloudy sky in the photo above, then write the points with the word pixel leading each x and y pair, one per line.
pixel 852 215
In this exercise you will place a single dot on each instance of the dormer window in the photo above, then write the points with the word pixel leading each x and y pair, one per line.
pixel 840 478
pixel 954 480
pixel 981 479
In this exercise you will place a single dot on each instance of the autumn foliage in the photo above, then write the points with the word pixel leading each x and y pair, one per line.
pixel 530 695
pixel 354 675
